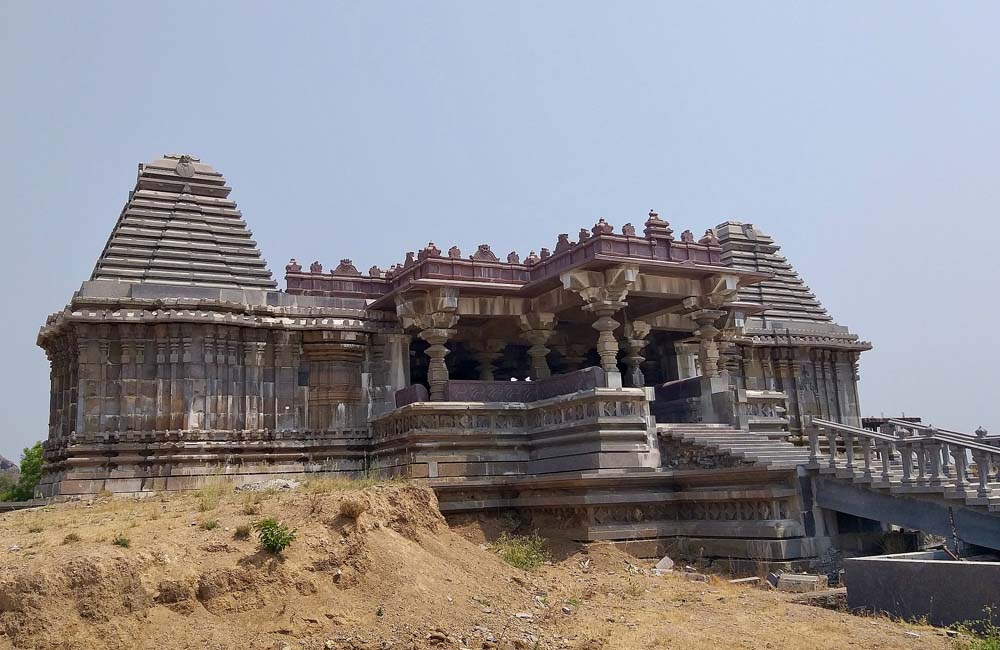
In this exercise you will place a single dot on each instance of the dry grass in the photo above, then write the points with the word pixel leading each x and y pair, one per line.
pixel 352 508
pixel 209 497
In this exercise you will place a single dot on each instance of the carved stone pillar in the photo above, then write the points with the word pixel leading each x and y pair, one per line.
pixel 435 314
pixel 538 328
pixel 575 355
pixel 633 343
pixel 707 335
pixel 603 294
pixel 487 353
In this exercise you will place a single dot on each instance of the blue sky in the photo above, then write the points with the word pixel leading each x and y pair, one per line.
pixel 863 136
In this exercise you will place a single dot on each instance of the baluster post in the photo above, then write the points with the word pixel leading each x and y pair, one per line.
pixel 906 456
pixel 983 466
pixel 960 466
pixel 866 451
pixel 849 448
pixel 814 446
pixel 831 438
pixel 932 447
pixel 886 463
pixel 945 456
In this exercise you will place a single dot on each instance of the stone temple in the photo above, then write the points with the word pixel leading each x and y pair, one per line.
pixel 637 386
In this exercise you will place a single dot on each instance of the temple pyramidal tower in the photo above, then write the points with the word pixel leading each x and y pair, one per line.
pixel 559 385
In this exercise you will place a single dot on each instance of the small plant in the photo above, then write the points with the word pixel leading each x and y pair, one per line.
pixel 242 532
pixel 521 551
pixel 634 588
pixel 210 524
pixel 121 540
pixel 274 537
pixel 36 529
pixel 983 635
pixel 210 496
pixel 352 508
pixel 71 538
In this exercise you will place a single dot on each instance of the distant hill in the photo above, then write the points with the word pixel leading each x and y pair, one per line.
pixel 8 469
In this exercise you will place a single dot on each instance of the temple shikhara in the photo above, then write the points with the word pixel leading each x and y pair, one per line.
pixel 640 383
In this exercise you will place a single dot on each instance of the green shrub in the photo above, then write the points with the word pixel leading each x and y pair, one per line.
pixel 274 537
pixel 121 540
pixel 521 551
pixel 986 637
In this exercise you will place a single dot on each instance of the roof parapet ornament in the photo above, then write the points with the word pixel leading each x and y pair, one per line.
pixel 484 254
pixel 657 228
pixel 316 267
pixel 293 266
pixel 346 267
pixel 513 258
pixel 563 244
pixel 602 227
pixel 455 252
pixel 375 272
pixel 584 235
pixel 687 237
pixel 532 259
pixel 709 239
pixel 981 432
pixel 628 230
pixel 429 251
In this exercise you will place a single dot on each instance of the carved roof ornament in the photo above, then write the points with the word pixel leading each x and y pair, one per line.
pixel 375 272
pixel 513 258
pixel 455 252
pixel 429 251
pixel 346 267
pixel 563 244
pixel 410 261
pixel 709 239
pixel 546 254
pixel 293 266
pixel 687 237
pixel 602 227
pixel 532 259
pixel 316 267
pixel 584 235
pixel 628 230
pixel 981 432
pixel 657 228
pixel 185 168
pixel 484 254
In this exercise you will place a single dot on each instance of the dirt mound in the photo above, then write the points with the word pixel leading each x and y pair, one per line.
pixel 372 569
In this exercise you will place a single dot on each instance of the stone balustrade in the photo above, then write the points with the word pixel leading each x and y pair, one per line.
pixel 909 455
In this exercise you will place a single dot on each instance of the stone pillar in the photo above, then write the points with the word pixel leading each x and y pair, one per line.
pixel 435 314
pixel 707 335
pixel 633 343
pixel 538 328
pixel 487 353
pixel 603 294
pixel 575 356
pixel 437 369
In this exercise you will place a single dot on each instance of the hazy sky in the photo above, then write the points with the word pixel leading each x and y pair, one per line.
pixel 865 137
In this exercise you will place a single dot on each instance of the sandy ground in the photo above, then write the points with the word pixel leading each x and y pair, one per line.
pixel 395 577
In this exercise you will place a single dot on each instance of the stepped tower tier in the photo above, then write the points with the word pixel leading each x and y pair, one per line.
pixel 789 342
pixel 180 227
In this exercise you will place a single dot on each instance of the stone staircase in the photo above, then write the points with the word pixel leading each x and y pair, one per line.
pixel 760 449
